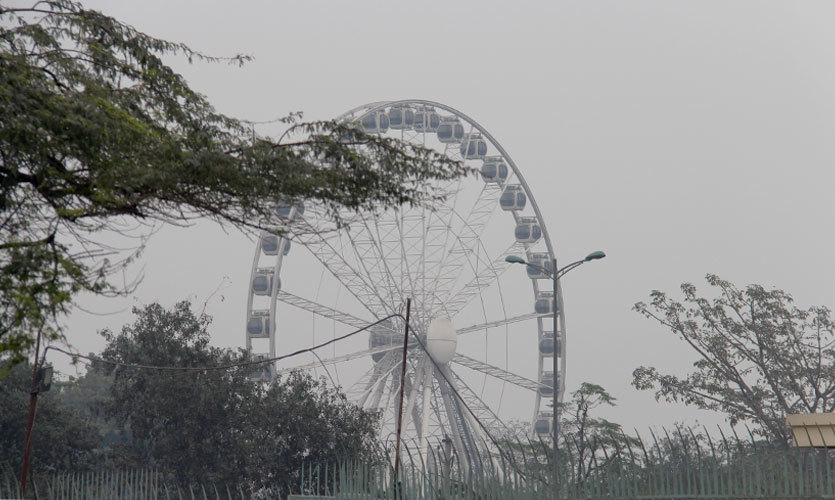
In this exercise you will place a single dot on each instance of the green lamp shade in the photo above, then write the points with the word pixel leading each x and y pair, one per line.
pixel 594 255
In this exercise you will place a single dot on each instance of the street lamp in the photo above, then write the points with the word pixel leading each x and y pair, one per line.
pixel 555 275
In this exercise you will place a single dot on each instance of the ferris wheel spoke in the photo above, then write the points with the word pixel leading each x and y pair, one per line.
pixel 442 288
pixel 437 241
pixel 368 247
pixel 422 417
pixel 410 236
pixel 378 388
pixel 496 372
pixel 469 430
pixel 334 260
pixel 452 423
pixel 321 310
pixel 480 409
pixel 345 357
pixel 483 279
pixel 436 236
pixel 466 242
pixel 412 386
pixel 501 322
pixel 367 385
pixel 361 385
pixel 386 233
pixel 388 407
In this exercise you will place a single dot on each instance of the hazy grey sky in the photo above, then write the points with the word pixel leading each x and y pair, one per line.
pixel 681 137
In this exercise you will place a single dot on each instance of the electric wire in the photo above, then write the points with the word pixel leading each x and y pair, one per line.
pixel 220 367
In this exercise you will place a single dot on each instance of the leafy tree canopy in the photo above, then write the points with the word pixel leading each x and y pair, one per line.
pixel 593 441
pixel 99 135
pixel 588 442
pixel 217 425
pixel 759 356
pixel 64 439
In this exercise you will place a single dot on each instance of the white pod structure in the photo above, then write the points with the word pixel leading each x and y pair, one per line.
pixel 441 340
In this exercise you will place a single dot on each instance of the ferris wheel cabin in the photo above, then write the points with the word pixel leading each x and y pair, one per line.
pixel 544 303
pixel 262 372
pixel 543 424
pixel 376 122
pixel 513 198
pixel 542 260
pixel 270 244
pixel 401 117
pixel 528 230
pixel 258 325
pixel 450 130
pixel 427 120
pixel 494 169
pixel 288 210
pixel 474 147
pixel 262 283
pixel 546 388
pixel 546 344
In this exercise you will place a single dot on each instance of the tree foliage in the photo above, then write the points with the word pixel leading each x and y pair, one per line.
pixel 216 425
pixel 759 356
pixel 592 441
pixel 64 440
pixel 588 442
pixel 207 424
pixel 98 135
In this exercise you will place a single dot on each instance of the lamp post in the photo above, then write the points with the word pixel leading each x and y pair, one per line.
pixel 555 275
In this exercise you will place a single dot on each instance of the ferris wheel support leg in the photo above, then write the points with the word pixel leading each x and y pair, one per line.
pixel 424 428
pixel 412 383
pixel 460 449
pixel 378 393
pixel 471 427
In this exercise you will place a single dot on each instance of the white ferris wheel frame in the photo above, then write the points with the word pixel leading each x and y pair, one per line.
pixel 375 380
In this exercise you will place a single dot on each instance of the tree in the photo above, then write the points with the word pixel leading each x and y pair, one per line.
pixel 593 442
pixel 99 135
pixel 64 440
pixel 588 443
pixel 90 395
pixel 759 357
pixel 216 425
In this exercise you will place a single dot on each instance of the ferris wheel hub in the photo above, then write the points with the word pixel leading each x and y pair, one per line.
pixel 441 340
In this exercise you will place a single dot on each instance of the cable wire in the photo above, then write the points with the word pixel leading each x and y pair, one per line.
pixel 221 367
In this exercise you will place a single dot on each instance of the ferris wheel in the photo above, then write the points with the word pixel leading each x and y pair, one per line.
pixel 486 325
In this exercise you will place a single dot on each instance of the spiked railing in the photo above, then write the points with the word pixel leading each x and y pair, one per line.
pixel 668 465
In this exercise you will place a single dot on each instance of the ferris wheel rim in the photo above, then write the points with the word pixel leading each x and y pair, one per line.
pixel 361 111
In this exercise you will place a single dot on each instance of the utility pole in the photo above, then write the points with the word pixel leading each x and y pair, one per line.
pixel 400 404
pixel 33 402
pixel 555 419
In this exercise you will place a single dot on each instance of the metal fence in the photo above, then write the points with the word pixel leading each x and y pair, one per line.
pixel 781 475
pixel 745 473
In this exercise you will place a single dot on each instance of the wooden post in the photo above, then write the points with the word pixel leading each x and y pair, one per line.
pixel 33 402
pixel 402 389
